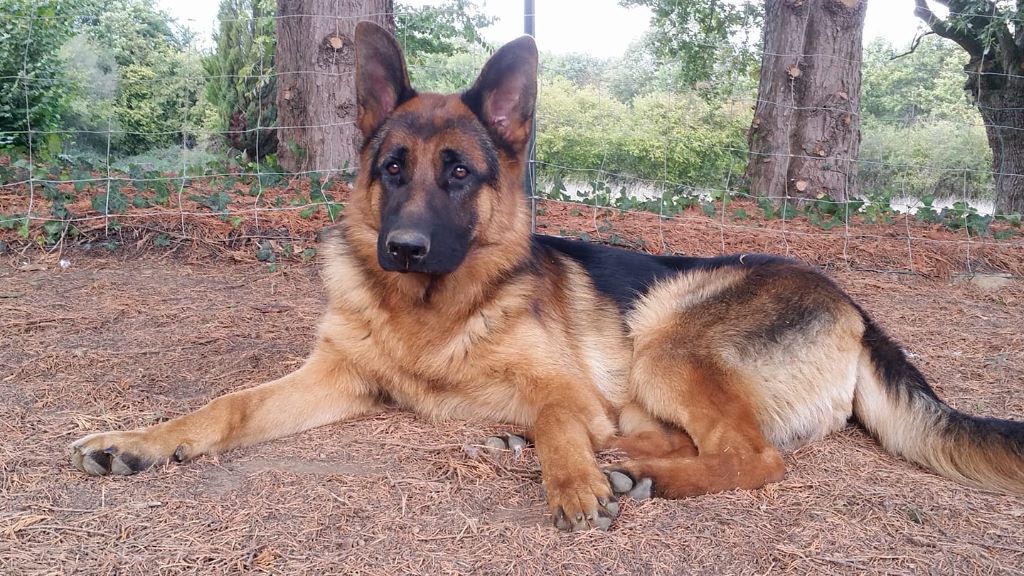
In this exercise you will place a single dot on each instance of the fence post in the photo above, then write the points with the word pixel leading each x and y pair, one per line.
pixel 530 179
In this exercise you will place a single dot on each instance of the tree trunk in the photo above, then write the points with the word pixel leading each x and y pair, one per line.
pixel 1000 98
pixel 805 136
pixel 316 106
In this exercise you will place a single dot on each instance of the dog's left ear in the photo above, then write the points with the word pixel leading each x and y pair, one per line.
pixel 505 93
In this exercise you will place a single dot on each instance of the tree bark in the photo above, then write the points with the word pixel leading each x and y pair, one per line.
pixel 805 136
pixel 993 82
pixel 1000 98
pixel 315 58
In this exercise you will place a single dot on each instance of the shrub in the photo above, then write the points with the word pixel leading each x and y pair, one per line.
pixel 677 138
pixel 34 95
pixel 936 158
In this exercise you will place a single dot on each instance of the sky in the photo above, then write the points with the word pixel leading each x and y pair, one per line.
pixel 598 27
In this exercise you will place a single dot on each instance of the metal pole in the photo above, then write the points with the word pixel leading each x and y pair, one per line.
pixel 530 183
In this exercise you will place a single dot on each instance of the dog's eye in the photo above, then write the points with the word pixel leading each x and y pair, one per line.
pixel 460 172
pixel 393 168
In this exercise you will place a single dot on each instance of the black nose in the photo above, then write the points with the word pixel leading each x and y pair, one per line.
pixel 407 247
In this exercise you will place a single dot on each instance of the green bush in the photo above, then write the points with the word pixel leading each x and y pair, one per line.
pixel 445 74
pixel 94 76
pixel 34 95
pixel 660 136
pixel 135 82
pixel 925 85
pixel 577 127
pixel 939 158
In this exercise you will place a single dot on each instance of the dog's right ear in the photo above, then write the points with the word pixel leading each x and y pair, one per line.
pixel 382 80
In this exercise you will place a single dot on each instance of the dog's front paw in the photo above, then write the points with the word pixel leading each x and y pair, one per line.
pixel 121 453
pixel 582 502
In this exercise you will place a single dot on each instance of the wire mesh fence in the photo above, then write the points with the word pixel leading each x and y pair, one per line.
pixel 642 161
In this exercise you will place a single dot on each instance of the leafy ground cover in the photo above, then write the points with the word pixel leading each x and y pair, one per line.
pixel 161 306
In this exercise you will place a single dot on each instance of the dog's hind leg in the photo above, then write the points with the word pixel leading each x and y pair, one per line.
pixel 324 390
pixel 646 437
pixel 699 396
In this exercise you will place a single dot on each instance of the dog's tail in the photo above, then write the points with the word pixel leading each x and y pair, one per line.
pixel 895 403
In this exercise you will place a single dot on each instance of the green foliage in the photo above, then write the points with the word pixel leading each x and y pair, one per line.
pixel 139 113
pixel 922 86
pixel 660 136
pixel 242 84
pixel 641 71
pixel 136 84
pixel 445 74
pixel 110 200
pixel 582 70
pixel 878 209
pixel 217 201
pixel 982 26
pixel 712 39
pixel 575 125
pixel 926 213
pixel 94 76
pixel 827 212
pixel 265 252
pixel 444 29
pixel 938 158
pixel 962 215
pixel 920 136
pixel 34 95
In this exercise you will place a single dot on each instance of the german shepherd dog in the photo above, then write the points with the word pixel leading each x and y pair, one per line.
pixel 441 301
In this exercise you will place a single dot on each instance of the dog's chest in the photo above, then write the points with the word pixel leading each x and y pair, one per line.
pixel 442 369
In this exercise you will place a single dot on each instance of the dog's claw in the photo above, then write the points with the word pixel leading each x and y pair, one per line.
pixel 582 503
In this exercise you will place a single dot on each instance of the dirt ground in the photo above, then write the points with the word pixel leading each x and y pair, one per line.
pixel 118 341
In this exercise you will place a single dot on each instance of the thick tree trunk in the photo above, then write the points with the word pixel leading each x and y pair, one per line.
pixel 991 35
pixel 805 136
pixel 316 106
pixel 1000 98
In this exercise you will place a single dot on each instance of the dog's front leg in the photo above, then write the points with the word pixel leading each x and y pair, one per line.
pixel 325 389
pixel 578 492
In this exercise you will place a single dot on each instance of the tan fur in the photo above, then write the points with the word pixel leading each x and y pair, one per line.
pixel 710 374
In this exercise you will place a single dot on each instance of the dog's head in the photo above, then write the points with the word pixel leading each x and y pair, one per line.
pixel 428 159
